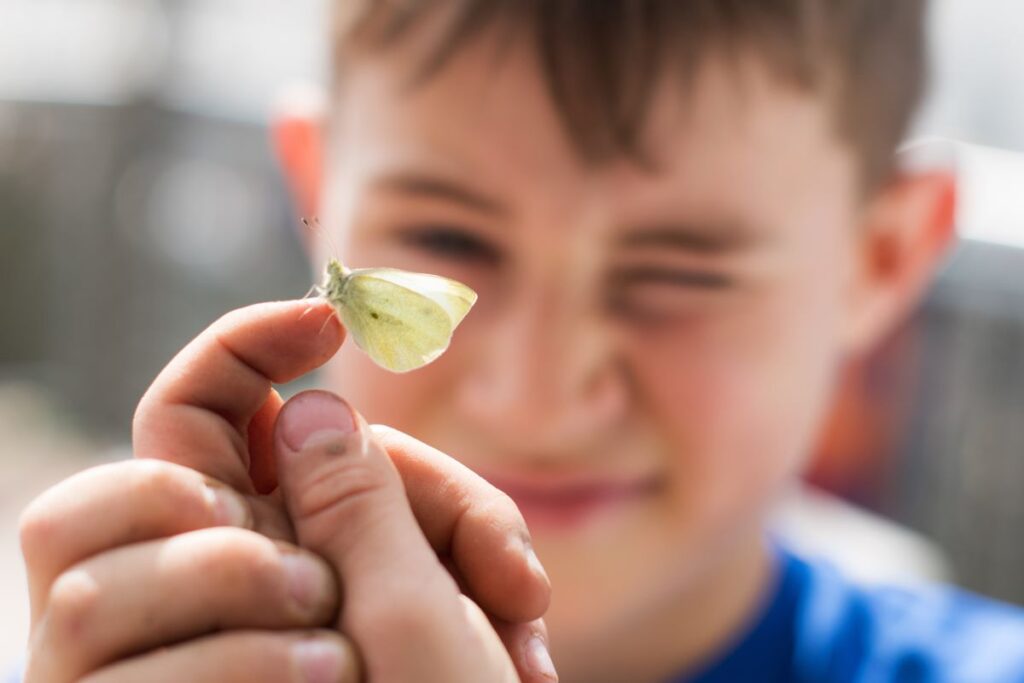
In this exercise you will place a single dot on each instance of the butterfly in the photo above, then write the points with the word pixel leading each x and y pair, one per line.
pixel 402 320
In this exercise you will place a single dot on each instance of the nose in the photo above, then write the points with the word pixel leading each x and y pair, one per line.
pixel 547 378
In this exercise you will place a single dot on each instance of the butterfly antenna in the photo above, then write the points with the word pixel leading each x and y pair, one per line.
pixel 315 226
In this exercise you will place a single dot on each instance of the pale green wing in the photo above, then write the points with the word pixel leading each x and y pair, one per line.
pixel 455 297
pixel 398 328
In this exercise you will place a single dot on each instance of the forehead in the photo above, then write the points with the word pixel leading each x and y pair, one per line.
pixel 487 115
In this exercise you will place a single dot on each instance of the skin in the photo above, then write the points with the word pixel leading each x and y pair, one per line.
pixel 712 395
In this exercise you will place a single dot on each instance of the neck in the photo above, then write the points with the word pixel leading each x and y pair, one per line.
pixel 683 633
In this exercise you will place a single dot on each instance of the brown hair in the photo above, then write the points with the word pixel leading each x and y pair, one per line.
pixel 601 58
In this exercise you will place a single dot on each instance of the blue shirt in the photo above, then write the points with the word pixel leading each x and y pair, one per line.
pixel 817 627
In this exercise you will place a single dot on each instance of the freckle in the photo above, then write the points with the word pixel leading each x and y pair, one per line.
pixel 374 315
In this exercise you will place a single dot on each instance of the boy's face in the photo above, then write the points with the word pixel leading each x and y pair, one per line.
pixel 652 348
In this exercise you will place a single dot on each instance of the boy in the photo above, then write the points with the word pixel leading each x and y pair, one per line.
pixel 680 217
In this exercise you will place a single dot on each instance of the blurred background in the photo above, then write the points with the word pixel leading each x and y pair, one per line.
pixel 139 200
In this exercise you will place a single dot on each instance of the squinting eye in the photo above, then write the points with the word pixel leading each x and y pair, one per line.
pixel 451 243
pixel 638 277
pixel 656 294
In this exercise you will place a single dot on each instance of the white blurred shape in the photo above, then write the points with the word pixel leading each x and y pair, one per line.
pixel 867 547
pixel 233 56
pixel 205 218
pixel 991 203
pixel 977 91
pixel 86 51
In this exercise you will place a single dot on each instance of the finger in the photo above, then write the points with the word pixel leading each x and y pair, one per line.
pixel 142 596
pixel 243 657
pixel 199 410
pixel 262 466
pixel 116 504
pixel 489 642
pixel 527 644
pixel 479 526
pixel 347 503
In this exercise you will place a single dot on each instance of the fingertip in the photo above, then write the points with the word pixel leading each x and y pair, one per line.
pixel 534 588
pixel 492 549
pixel 538 659
pixel 325 657
pixel 310 413
pixel 529 646
pixel 318 320
pixel 540 578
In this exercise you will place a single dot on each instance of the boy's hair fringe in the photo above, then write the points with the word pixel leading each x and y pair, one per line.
pixel 602 58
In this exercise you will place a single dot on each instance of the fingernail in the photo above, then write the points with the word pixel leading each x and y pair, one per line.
pixel 316 414
pixel 318 661
pixel 539 659
pixel 230 508
pixel 305 581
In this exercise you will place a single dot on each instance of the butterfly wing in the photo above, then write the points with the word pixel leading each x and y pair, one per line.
pixel 454 297
pixel 399 328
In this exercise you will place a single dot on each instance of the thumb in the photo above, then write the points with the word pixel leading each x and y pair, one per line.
pixel 347 502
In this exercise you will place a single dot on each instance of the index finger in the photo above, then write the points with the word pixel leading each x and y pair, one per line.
pixel 213 407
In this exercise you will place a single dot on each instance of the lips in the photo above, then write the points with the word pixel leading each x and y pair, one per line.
pixel 569 502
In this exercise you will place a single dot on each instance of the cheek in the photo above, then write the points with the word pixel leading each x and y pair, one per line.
pixel 739 397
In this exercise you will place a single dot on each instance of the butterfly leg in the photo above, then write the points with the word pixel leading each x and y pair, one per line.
pixel 324 326
pixel 306 296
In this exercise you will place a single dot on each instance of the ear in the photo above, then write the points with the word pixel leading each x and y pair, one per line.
pixel 906 231
pixel 297 134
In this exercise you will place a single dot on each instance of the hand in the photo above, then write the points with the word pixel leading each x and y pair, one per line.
pixel 213 409
pixel 347 502
pixel 128 558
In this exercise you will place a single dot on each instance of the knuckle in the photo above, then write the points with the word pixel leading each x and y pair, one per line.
pixel 406 612
pixel 229 320
pixel 238 559
pixel 37 526
pixel 166 489
pixel 219 332
pixel 73 601
pixel 44 524
pixel 389 619
pixel 348 489
pixel 151 479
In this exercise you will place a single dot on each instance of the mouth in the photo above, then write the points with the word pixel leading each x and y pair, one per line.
pixel 568 503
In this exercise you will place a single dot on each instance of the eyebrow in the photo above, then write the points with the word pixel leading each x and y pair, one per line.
pixel 424 185
pixel 704 240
